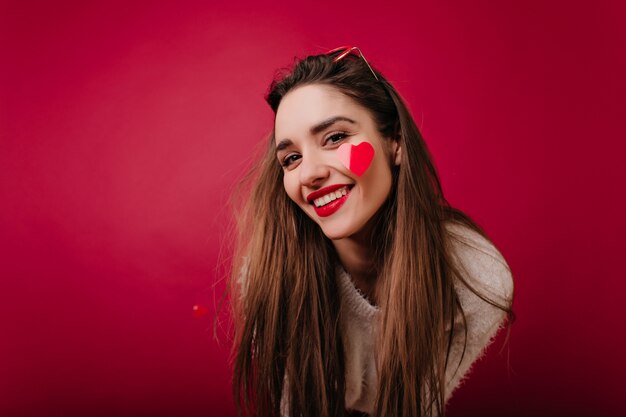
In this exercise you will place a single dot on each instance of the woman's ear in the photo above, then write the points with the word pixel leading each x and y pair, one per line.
pixel 396 151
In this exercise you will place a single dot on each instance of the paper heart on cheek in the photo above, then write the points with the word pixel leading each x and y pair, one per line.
pixel 357 158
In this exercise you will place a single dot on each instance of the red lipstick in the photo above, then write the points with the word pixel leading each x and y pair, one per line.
pixel 329 208
pixel 323 191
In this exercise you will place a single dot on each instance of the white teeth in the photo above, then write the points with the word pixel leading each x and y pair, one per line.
pixel 330 197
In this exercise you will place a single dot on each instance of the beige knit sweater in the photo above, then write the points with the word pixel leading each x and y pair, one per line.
pixel 482 265
pixel 486 270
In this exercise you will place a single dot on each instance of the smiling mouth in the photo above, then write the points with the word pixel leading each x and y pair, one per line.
pixel 330 197
pixel 328 204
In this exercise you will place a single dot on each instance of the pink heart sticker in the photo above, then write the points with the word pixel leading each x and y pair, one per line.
pixel 357 158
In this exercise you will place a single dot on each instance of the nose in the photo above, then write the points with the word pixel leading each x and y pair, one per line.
pixel 313 170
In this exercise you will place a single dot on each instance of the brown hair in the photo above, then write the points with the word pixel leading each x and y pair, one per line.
pixel 287 311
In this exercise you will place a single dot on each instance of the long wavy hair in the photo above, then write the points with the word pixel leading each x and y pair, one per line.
pixel 287 309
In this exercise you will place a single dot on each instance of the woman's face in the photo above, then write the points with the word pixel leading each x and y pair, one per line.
pixel 312 122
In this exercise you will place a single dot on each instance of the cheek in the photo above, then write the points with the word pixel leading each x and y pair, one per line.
pixel 291 188
pixel 376 183
pixel 356 158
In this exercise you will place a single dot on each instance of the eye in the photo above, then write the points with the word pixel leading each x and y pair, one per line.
pixel 289 160
pixel 336 137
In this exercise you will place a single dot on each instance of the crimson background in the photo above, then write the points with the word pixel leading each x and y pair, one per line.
pixel 123 126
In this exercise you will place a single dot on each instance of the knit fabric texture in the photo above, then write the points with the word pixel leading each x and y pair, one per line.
pixel 482 266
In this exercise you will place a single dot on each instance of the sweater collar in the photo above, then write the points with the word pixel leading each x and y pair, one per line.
pixel 352 297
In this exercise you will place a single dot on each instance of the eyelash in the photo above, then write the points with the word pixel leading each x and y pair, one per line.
pixel 284 163
pixel 342 134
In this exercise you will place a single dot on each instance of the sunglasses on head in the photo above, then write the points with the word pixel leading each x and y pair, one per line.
pixel 347 50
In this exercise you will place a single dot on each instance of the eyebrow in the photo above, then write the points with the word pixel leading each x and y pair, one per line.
pixel 320 127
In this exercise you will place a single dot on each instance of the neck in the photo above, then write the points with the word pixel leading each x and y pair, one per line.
pixel 355 254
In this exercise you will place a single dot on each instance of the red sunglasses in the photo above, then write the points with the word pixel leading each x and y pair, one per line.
pixel 347 50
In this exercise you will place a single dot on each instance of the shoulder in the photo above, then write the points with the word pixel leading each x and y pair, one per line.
pixel 241 277
pixel 483 267
pixel 480 262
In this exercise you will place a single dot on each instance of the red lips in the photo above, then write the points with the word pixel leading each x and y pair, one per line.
pixel 323 191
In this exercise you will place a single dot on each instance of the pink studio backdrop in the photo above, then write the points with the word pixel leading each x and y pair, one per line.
pixel 123 127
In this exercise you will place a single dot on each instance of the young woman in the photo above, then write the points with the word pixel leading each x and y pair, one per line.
pixel 359 289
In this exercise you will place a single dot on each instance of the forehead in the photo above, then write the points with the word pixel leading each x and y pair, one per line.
pixel 306 106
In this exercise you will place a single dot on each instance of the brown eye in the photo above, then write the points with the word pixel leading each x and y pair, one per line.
pixel 336 137
pixel 289 160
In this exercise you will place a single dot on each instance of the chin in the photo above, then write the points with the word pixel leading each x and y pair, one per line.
pixel 337 233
